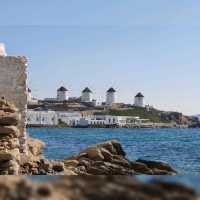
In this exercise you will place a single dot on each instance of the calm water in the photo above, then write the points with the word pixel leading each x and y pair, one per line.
pixel 178 147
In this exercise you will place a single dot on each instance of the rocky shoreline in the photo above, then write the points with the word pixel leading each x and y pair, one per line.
pixel 107 158
pixel 93 187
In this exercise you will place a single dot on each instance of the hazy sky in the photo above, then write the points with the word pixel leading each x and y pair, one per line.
pixel 132 45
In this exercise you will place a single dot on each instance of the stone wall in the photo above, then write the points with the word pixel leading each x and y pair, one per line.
pixel 14 88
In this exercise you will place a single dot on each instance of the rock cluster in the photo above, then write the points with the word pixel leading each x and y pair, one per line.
pixel 94 187
pixel 9 142
pixel 107 158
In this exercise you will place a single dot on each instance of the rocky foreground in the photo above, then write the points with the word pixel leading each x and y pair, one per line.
pixel 93 187
pixel 107 158
pixel 9 139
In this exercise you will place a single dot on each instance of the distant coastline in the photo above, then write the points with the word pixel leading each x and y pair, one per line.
pixel 149 125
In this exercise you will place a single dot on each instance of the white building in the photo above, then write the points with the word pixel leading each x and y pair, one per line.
pixel 30 98
pixel 69 118
pixel 86 95
pixel 110 96
pixel 42 118
pixel 109 120
pixel 62 94
pixel 52 118
pixel 139 100
pixel 2 50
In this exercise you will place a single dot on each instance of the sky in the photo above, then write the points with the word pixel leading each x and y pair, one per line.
pixel 144 46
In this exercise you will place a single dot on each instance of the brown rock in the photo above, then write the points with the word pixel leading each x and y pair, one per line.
pixel 6 164
pixel 58 166
pixel 94 153
pixel 46 165
pixel 71 163
pixel 6 106
pixel 35 146
pixel 14 143
pixel 141 168
pixel 9 120
pixel 118 147
pixel 108 146
pixel 8 130
pixel 161 172
pixel 97 171
pixel 157 165
pixel 6 156
pixel 122 162
pixel 106 154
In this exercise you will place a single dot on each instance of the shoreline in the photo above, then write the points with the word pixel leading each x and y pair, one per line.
pixel 156 126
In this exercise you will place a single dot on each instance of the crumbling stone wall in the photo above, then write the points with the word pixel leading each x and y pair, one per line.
pixel 14 88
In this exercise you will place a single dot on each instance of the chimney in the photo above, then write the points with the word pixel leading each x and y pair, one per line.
pixel 2 50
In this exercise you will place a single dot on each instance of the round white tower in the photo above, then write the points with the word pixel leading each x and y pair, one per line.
pixel 86 95
pixel 2 50
pixel 110 96
pixel 62 94
pixel 139 100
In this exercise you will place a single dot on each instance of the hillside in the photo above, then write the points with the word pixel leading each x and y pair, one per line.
pixel 152 114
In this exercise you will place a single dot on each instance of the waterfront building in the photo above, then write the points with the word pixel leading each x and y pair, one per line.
pixel 86 95
pixel 110 96
pixel 62 94
pixel 109 120
pixel 2 50
pixel 52 118
pixel 139 100
pixel 68 118
pixel 75 118
pixel 42 118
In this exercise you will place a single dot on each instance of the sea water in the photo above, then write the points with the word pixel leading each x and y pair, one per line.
pixel 178 147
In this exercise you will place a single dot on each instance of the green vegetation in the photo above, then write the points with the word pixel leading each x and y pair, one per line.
pixel 61 124
pixel 152 114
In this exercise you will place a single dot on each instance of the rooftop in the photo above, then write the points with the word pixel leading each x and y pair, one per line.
pixel 139 95
pixel 87 90
pixel 111 90
pixel 62 89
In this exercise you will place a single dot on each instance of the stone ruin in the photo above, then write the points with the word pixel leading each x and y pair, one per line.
pixel 9 141
pixel 13 88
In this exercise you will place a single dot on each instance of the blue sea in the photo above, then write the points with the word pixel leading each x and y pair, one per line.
pixel 178 147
